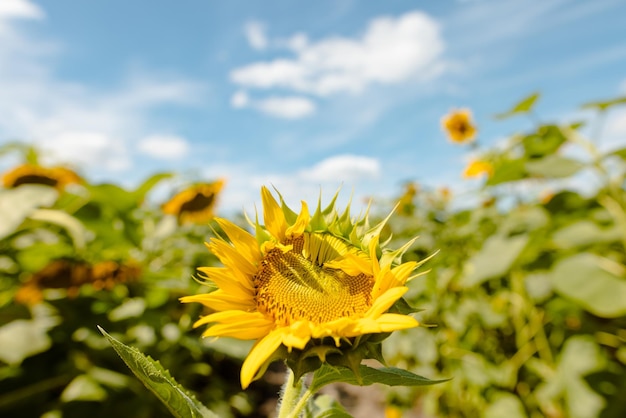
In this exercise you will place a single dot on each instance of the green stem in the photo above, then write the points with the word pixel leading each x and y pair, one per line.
pixel 301 404
pixel 289 396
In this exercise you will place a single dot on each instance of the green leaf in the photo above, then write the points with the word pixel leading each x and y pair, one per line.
pixel 595 283
pixel 579 357
pixel 83 388
pixel 390 376
pixel 23 338
pixel 545 141
pixel 324 406
pixel 158 380
pixel 507 170
pixel 523 106
pixel 620 153
pixel 494 259
pixel 605 104
pixel 145 187
pixel 19 203
pixel 505 405
pixel 584 232
pixel 553 166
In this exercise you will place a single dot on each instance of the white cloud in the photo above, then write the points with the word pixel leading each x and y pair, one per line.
pixel 19 9
pixel 71 121
pixel 164 147
pixel 239 100
pixel 286 107
pixel 391 50
pixel 255 33
pixel 87 149
pixel 342 168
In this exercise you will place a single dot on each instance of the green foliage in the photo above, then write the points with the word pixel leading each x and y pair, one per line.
pixel 180 403
pixel 390 376
pixel 524 303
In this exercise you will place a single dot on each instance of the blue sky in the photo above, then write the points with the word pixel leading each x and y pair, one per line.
pixel 301 95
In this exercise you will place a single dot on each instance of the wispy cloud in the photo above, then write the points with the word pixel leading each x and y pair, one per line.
pixel 164 147
pixel 255 34
pixel 390 51
pixel 70 121
pixel 285 107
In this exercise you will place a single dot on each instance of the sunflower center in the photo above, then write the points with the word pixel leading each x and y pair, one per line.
pixel 199 202
pixel 292 287
pixel 35 179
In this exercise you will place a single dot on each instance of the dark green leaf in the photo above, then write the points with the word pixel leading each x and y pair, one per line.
pixel 545 141
pixel 390 376
pixel 158 380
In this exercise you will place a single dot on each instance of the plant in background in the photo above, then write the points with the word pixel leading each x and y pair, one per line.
pixel 195 204
pixel 459 126
pixel 57 177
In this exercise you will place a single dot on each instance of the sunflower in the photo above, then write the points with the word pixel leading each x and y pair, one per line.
pixel 459 127
pixel 308 288
pixel 478 167
pixel 195 204
pixel 57 177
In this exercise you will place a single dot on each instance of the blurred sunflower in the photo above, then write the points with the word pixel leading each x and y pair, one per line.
pixel 304 286
pixel 195 204
pixel 406 202
pixel 478 167
pixel 459 127
pixel 57 177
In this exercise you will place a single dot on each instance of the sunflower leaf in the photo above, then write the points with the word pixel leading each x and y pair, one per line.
pixel 390 376
pixel 158 380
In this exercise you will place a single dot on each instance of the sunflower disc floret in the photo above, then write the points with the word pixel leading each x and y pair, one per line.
pixel 308 288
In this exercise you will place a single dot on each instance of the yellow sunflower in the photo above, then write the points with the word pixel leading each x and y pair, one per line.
pixel 57 177
pixel 307 288
pixel 478 167
pixel 195 204
pixel 459 127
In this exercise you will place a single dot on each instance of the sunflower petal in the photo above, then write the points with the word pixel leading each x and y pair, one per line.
pixel 259 353
pixel 273 215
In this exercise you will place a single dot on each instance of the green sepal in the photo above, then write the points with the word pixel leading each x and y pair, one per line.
pixel 401 306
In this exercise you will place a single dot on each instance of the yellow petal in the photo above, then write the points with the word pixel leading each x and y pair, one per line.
pixel 351 264
pixel 221 301
pixel 298 335
pixel 273 215
pixel 226 280
pixel 403 271
pixel 301 223
pixel 243 241
pixel 384 301
pixel 231 257
pixel 259 353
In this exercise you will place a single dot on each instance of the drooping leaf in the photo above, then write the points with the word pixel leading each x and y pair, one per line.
pixel 390 376
pixel 324 406
pixel 73 226
pixel 523 106
pixel 595 283
pixel 180 403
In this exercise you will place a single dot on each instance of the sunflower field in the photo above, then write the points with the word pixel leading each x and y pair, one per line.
pixel 519 292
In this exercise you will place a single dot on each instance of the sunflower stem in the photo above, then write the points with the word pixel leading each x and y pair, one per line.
pixel 290 397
